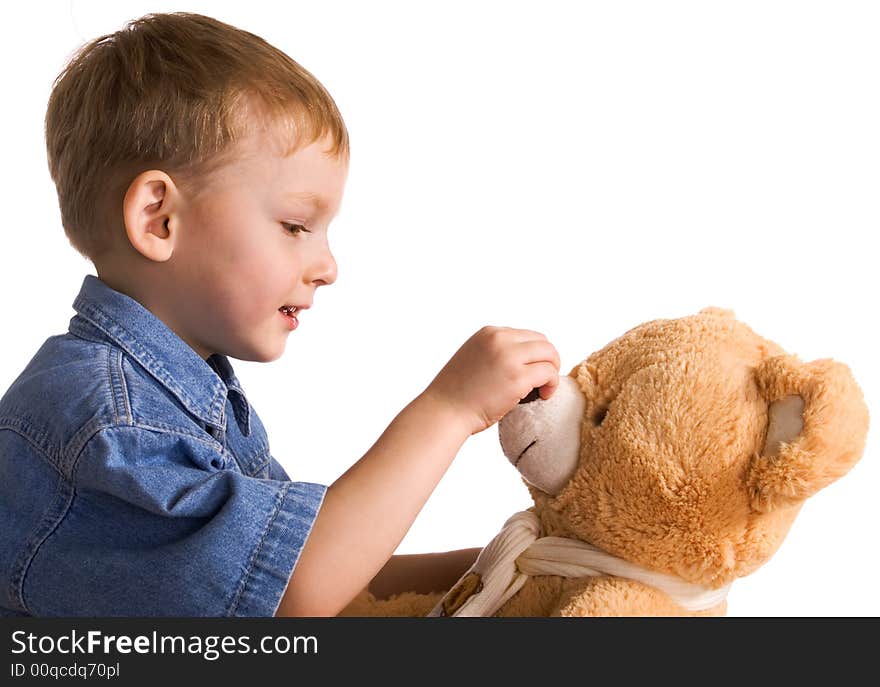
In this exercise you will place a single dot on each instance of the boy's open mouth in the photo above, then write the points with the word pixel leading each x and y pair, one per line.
pixel 289 313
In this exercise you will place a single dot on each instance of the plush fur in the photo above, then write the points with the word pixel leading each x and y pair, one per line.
pixel 676 469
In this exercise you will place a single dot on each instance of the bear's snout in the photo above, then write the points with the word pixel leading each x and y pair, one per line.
pixel 541 438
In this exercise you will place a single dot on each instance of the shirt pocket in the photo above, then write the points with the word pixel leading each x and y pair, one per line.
pixel 259 464
pixel 253 463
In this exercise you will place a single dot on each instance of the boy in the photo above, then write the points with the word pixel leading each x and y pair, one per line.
pixel 198 168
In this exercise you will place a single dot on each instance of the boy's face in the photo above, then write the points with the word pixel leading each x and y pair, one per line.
pixel 254 240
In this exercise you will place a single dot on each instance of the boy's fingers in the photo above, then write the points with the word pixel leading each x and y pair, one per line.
pixel 530 334
pixel 540 351
pixel 523 335
pixel 544 380
pixel 548 389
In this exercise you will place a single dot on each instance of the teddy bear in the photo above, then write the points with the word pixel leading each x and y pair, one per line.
pixel 665 466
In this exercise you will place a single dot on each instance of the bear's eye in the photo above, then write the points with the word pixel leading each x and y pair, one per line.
pixel 599 415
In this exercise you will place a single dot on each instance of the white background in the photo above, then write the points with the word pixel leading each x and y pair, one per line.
pixel 574 168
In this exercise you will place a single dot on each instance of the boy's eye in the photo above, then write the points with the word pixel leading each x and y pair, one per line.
pixel 294 228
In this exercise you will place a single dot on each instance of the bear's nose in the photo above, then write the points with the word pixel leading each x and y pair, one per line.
pixel 534 395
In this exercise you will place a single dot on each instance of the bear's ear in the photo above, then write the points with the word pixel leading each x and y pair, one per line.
pixel 816 430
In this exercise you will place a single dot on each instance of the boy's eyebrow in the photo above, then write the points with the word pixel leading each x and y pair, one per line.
pixel 311 198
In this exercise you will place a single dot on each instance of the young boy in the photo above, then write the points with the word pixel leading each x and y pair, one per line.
pixel 198 168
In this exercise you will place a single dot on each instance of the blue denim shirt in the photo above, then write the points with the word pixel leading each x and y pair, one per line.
pixel 136 479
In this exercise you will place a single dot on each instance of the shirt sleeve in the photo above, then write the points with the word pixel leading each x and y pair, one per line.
pixel 159 525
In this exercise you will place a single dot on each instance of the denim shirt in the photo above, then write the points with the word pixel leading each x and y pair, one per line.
pixel 136 479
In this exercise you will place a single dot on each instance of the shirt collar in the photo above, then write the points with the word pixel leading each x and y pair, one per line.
pixel 202 386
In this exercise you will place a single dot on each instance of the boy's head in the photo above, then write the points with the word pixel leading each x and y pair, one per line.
pixel 199 167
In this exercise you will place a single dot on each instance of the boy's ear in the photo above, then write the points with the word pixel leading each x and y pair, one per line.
pixel 816 430
pixel 146 210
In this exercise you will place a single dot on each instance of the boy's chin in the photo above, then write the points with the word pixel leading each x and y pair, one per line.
pixel 257 354
pixel 269 354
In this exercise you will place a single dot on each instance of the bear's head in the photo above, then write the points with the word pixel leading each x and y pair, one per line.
pixel 686 446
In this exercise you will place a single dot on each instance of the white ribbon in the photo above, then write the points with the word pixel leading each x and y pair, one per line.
pixel 519 551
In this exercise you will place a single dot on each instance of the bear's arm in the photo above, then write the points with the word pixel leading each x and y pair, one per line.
pixel 407 604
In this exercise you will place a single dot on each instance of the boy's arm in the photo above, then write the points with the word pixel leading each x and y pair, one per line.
pixel 369 509
pixel 422 572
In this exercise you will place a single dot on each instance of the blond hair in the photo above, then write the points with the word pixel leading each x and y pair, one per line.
pixel 174 91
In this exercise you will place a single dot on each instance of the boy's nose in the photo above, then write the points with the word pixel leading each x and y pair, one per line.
pixel 329 274
pixel 324 269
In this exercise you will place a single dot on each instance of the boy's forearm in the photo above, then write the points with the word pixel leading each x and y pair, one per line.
pixel 369 509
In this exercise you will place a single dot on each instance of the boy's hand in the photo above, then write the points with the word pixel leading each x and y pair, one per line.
pixel 493 371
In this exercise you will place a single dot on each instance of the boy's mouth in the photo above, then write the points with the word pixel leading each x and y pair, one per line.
pixel 289 313
pixel 289 309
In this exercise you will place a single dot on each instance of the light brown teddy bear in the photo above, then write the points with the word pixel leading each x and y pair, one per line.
pixel 666 465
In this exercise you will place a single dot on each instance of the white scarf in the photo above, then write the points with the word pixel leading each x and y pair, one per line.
pixel 518 551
